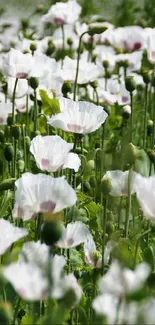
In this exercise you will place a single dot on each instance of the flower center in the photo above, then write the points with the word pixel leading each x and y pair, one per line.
pixel 47 206
pixel 21 75
pixel 74 127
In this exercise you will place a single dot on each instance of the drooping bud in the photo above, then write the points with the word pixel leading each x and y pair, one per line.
pixel 94 84
pixel 34 82
pixel 90 165
pixel 7 184
pixel 131 154
pixel 21 165
pixel 97 28
pixel 69 41
pixel 51 232
pixel 66 88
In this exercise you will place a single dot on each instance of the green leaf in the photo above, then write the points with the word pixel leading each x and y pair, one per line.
pixel 75 258
pixel 50 105
pixel 5 203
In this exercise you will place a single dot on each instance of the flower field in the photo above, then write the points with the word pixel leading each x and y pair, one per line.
pixel 77 165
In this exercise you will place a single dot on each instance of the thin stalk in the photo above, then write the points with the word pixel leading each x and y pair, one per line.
pixel 128 207
pixel 137 245
pixel 145 117
pixel 27 114
pixel 35 111
pixel 15 142
pixel 78 62
pixel 63 37
pixel 16 311
pixel 13 101
pixel 131 116
pixel 105 203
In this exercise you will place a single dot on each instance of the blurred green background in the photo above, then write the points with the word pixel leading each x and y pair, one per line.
pixel 119 12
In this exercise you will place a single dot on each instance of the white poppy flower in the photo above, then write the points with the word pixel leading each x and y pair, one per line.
pixel 90 251
pixel 9 234
pixel 134 59
pixel 119 182
pixel 151 48
pixel 63 13
pixel 88 71
pixel 73 235
pixel 130 38
pixel 28 280
pixel 43 65
pixel 41 193
pixel 17 64
pixel 145 191
pixel 5 110
pixel 52 153
pixel 34 252
pixel 78 117
pixel 21 89
pixel 120 282
pixel 106 305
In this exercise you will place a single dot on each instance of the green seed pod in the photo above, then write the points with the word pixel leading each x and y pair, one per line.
pixel 34 83
pixel 8 152
pixel 149 127
pixel 1 136
pixel 51 232
pixel 106 185
pixel 9 120
pixel 130 83
pixel 33 47
pixel 66 87
pixel 7 184
pixel 16 131
pixel 21 165
pixel 86 186
pixel 92 181
pixel 6 313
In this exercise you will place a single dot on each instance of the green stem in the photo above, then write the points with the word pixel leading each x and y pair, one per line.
pixel 35 111
pixel 24 145
pixel 63 37
pixel 145 117
pixel 78 62
pixel 104 230
pixel 15 142
pixel 16 311
pixel 128 208
pixel 13 101
pixel 27 114
pixel 137 245
pixel 131 116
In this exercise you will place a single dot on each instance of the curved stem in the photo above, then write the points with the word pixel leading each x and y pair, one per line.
pixel 13 101
pixel 78 62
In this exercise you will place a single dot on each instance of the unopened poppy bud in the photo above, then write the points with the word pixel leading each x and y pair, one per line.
pixel 9 120
pixel 86 186
pixel 92 181
pixel 7 184
pixel 6 313
pixel 130 84
pixel 146 77
pixel 131 154
pixel 51 232
pixel 126 111
pixel 69 41
pixel 151 154
pixel 109 227
pixel 8 152
pixel 19 154
pixel 94 84
pixel 16 131
pixel 106 64
pixel 66 87
pixel 125 63
pixel 1 136
pixel 33 47
pixel 149 127
pixel 90 165
pixel 96 257
pixel 21 165
pixel 106 185
pixel 50 49
pixel 25 23
pixel 27 142
pixel 96 28
pixel 34 82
